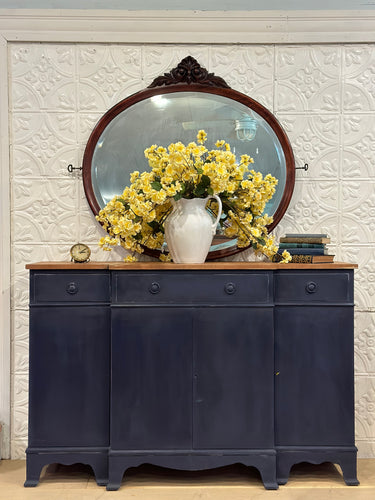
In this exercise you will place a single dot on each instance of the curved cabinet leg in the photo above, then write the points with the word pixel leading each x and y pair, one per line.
pixel 114 482
pixel 268 475
pixel 346 458
pixel 117 467
pixel 34 466
pixel 36 459
pixel 100 469
pixel 349 470
pixel 283 471
pixel 266 465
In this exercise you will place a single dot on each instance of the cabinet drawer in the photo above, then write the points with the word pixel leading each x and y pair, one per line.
pixel 46 286
pixel 192 288
pixel 310 287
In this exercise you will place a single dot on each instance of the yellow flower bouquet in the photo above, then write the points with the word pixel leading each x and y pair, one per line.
pixel 135 219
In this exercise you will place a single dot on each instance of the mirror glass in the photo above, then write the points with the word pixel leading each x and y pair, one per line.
pixel 162 119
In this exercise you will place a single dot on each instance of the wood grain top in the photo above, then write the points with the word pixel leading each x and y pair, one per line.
pixel 158 266
pixel 67 265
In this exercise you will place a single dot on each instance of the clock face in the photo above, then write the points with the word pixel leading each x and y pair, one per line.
pixel 80 252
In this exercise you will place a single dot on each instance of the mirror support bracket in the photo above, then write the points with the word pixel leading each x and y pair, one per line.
pixel 71 169
pixel 305 167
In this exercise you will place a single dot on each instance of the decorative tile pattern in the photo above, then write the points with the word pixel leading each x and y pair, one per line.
pixel 20 342
pixel 364 343
pixel 313 208
pixel 43 77
pixel 324 97
pixel 316 141
pixel 359 78
pixel 366 448
pixel 308 79
pixel 247 69
pixel 107 74
pixel 358 211
pixel 20 422
pixel 365 407
pixel 18 447
pixel 364 275
pixel 358 142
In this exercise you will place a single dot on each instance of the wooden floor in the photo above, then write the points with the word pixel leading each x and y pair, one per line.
pixel 237 482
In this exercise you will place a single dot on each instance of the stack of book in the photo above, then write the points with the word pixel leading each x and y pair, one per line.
pixel 305 248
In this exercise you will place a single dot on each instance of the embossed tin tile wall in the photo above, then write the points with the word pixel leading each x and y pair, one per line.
pixel 324 96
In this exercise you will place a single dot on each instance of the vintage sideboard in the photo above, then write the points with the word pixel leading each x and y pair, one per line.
pixel 191 367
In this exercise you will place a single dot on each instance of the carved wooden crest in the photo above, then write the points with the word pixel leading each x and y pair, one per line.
pixel 189 71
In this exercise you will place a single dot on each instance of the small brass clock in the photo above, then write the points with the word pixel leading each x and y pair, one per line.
pixel 80 253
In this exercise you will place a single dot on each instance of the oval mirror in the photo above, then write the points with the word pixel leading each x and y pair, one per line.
pixel 172 109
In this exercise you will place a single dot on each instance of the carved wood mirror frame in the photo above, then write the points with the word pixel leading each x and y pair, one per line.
pixel 190 77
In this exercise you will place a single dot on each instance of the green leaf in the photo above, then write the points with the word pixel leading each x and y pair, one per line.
pixel 156 185
pixel 177 196
pixel 210 190
pixel 205 181
pixel 200 189
pixel 125 203
pixel 155 225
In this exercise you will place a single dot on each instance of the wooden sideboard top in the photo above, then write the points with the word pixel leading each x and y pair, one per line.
pixel 157 266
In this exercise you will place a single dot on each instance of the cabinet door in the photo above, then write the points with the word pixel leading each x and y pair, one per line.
pixel 233 372
pixel 151 378
pixel 314 381
pixel 69 376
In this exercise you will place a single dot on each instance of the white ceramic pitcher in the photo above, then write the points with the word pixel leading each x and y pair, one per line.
pixel 189 230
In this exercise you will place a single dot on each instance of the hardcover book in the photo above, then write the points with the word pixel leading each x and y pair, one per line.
pixel 307 259
pixel 299 239
pixel 305 251
pixel 322 259
pixel 301 245
pixel 306 235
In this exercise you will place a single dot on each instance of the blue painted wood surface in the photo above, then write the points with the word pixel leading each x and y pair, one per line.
pixel 191 370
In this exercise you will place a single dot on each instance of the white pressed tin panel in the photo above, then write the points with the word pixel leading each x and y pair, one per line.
pixel 308 79
pixel 365 343
pixel 59 91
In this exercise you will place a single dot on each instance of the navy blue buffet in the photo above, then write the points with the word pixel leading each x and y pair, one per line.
pixel 191 367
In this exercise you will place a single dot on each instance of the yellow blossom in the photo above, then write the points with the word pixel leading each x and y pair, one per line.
pixel 286 257
pixel 130 258
pixel 201 136
pixel 135 218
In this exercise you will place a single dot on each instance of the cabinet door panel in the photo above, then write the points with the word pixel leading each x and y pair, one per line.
pixel 314 385
pixel 152 378
pixel 69 376
pixel 233 371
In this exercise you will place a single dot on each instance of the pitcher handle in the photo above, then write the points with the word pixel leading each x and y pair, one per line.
pixel 220 208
